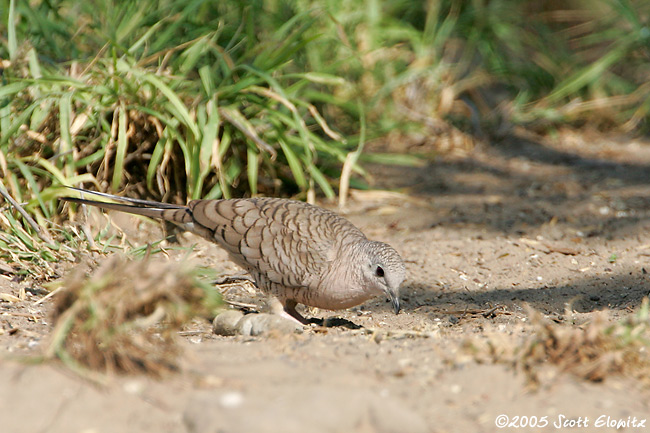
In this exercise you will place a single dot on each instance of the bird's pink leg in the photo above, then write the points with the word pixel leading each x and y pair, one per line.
pixel 287 310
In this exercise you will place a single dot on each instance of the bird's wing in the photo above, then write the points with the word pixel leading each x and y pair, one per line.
pixel 289 242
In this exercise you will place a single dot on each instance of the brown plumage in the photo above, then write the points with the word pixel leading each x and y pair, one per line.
pixel 295 252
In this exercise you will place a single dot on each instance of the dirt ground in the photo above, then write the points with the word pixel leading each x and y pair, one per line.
pixel 560 226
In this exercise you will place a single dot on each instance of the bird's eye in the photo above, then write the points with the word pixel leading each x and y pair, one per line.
pixel 379 271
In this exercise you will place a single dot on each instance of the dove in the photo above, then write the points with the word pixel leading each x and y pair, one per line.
pixel 296 253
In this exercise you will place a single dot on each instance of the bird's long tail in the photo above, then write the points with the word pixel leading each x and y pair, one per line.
pixel 153 209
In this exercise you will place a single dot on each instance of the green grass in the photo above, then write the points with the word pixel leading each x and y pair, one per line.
pixel 174 99
pixel 189 98
pixel 185 99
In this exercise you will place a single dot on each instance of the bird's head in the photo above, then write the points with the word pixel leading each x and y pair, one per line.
pixel 384 271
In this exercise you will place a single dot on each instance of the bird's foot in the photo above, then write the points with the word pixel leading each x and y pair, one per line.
pixel 287 310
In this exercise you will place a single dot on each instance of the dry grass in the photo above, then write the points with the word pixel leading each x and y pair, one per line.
pixel 594 351
pixel 124 317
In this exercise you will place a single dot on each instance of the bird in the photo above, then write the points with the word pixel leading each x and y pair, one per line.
pixel 295 252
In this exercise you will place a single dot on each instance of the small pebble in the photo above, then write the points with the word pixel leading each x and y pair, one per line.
pixel 227 323
pixel 231 400
pixel 260 324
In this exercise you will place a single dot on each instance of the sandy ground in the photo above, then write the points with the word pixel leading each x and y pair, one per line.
pixel 561 227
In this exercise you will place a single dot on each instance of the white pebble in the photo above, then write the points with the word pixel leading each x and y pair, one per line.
pixel 231 400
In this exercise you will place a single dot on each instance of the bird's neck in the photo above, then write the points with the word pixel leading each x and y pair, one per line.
pixel 345 268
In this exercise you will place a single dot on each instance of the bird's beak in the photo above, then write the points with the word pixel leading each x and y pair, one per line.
pixel 393 295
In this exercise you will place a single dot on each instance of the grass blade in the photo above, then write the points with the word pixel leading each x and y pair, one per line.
pixel 120 152
pixel 252 168
pixel 12 41
pixel 294 165
pixel 175 101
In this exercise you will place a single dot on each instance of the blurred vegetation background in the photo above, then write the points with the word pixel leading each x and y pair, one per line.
pixel 172 99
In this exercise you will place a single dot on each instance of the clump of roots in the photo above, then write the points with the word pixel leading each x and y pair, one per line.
pixel 124 317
